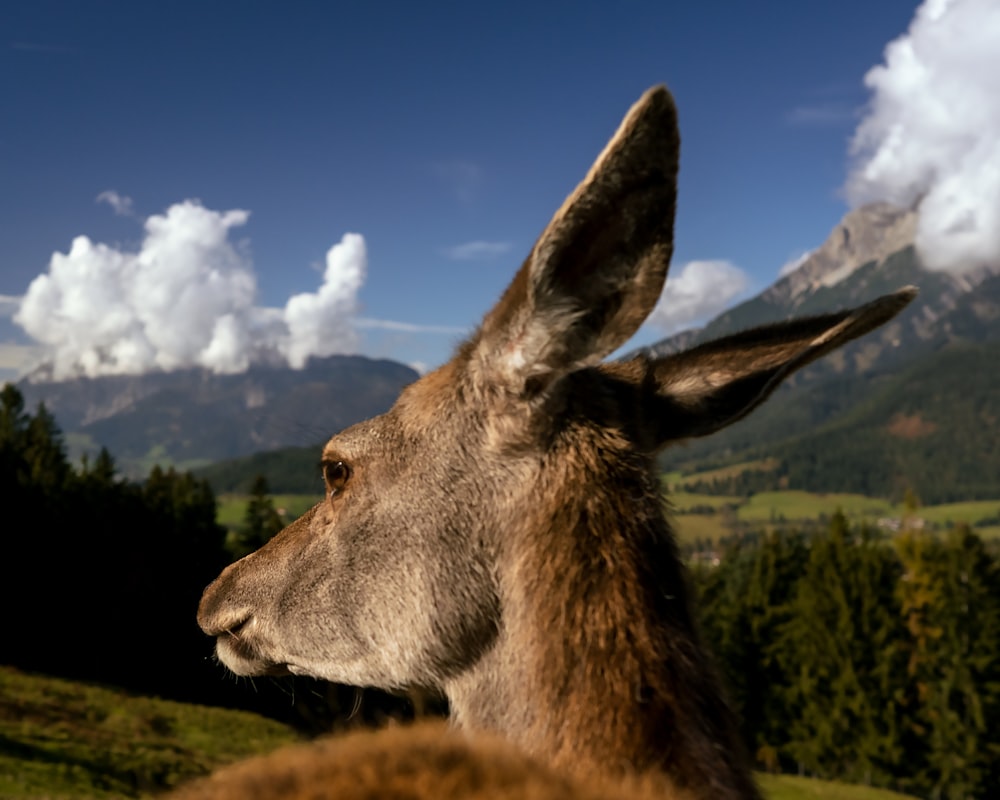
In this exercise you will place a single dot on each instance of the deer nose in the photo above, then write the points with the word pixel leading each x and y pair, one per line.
pixel 217 611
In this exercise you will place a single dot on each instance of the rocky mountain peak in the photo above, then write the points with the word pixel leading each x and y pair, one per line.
pixel 869 233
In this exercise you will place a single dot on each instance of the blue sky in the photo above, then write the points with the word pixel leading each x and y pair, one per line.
pixel 424 127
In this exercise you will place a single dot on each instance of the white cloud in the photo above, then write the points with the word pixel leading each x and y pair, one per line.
pixel 319 323
pixel 931 135
pixel 120 203
pixel 476 250
pixel 16 357
pixel 407 327
pixel 9 305
pixel 185 298
pixel 793 263
pixel 696 293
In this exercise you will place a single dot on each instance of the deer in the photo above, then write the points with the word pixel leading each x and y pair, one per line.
pixel 500 534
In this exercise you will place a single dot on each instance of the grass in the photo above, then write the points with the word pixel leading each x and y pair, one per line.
pixel 799 505
pixel 60 739
pixel 683 502
pixel 699 516
pixel 680 479
pixel 233 507
pixel 791 787
pixel 692 527
pixel 970 512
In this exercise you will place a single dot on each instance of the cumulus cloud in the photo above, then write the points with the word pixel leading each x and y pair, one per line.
pixel 476 250
pixel 14 357
pixel 186 297
pixel 931 136
pixel 120 204
pixel 319 323
pixel 696 293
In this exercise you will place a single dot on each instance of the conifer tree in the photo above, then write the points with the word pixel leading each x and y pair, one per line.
pixel 962 703
pixel 260 521
pixel 840 646
pixel 44 452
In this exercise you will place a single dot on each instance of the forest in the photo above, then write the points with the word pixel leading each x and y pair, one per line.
pixel 869 659
pixel 849 654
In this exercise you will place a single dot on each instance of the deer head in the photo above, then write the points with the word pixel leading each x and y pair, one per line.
pixel 499 533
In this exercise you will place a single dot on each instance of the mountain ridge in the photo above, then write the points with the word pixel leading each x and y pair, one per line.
pixel 194 416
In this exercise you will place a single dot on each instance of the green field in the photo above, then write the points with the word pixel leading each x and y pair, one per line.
pixel 679 479
pixel 700 516
pixel 798 505
pixel 61 740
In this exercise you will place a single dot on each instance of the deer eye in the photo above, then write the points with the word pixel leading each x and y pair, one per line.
pixel 335 473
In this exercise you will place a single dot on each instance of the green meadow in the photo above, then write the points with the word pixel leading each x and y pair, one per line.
pixel 703 516
pixel 62 740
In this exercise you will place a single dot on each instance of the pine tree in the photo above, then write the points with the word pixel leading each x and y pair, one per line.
pixel 260 521
pixel 840 647
pixel 962 703
pixel 44 451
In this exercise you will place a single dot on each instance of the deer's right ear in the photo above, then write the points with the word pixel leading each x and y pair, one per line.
pixel 598 268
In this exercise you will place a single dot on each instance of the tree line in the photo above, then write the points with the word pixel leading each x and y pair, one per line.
pixel 854 657
pixel 100 578
pixel 848 655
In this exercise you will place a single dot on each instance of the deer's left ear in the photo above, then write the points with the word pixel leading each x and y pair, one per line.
pixel 700 391
pixel 598 269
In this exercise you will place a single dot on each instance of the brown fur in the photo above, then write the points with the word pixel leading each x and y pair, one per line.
pixel 501 535
pixel 413 763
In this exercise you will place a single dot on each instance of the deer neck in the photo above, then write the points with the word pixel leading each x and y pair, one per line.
pixel 597 667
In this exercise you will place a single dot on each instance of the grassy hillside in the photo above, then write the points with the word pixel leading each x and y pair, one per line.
pixel 62 740
pixel 288 470
pixel 790 787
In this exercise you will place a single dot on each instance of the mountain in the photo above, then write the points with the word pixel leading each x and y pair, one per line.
pixel 871 252
pixel 190 417
pixel 913 404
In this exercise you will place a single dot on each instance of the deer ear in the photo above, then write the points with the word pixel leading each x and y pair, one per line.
pixel 702 390
pixel 598 268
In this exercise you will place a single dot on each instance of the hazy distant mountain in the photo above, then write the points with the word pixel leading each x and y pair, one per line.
pixel 193 416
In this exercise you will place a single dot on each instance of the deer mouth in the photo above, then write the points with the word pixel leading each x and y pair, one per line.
pixel 235 649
